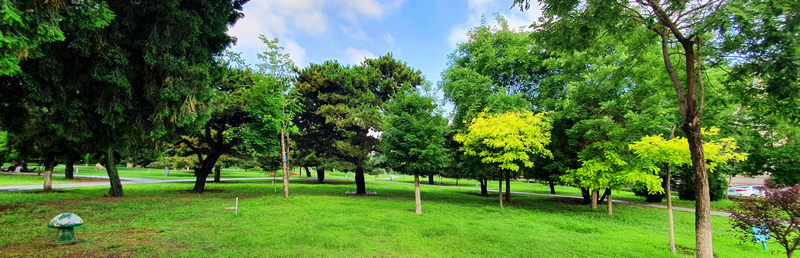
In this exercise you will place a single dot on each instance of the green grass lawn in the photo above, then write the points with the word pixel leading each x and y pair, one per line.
pixel 161 220
pixel 524 186
pixel 521 186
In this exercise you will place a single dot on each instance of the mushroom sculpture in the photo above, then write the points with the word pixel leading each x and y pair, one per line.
pixel 64 222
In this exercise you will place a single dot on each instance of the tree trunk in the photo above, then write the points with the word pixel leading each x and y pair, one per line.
pixel 691 112
pixel 484 187
pixel 500 188
pixel 703 229
pixel 200 180
pixel 430 180
pixel 48 180
pixel 69 172
pixel 417 198
pixel 669 210
pixel 594 199
pixel 217 174
pixel 285 162
pixel 308 172
pixel 206 168
pixel 361 187
pixel 610 204
pixel 113 175
pixel 508 187
pixel 587 196
pixel 320 175
pixel 603 197
pixel 49 164
pixel 552 186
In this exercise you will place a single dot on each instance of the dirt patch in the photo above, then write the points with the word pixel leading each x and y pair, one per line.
pixel 135 241
pixel 107 198
pixel 4 208
pixel 51 191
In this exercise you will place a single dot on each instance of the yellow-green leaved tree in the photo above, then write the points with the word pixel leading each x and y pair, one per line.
pixel 507 140
pixel 609 165
pixel 658 150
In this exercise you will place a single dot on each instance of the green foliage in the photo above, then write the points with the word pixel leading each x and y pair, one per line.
pixel 655 150
pixel 375 164
pixel 27 25
pixel 494 70
pixel 504 57
pixel 676 151
pixel 717 184
pixel 342 104
pixel 264 101
pixel 762 36
pixel 607 164
pixel 507 140
pixel 5 150
pixel 146 74
pixel 413 141
pixel 177 162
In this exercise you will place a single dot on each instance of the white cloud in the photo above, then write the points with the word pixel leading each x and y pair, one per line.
pixel 458 34
pixel 477 8
pixel 356 56
pixel 368 8
pixel 388 38
pixel 286 19
pixel 296 53
pixel 355 33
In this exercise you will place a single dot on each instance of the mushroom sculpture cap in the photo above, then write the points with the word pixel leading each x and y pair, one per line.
pixel 65 220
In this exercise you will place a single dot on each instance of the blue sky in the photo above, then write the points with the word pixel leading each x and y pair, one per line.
pixel 421 33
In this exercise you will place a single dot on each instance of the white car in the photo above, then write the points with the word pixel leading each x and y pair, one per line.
pixel 750 191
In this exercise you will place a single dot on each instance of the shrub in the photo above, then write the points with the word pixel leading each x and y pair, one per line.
pixel 778 212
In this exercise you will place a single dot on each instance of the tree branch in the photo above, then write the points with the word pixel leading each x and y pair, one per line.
pixel 673 76
pixel 700 76
pixel 664 19
pixel 192 148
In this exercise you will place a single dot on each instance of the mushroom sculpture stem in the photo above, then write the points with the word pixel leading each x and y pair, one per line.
pixel 65 222
pixel 66 236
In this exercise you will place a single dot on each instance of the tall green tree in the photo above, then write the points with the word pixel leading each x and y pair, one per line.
pixel 413 140
pixel 145 75
pixel 672 21
pixel 344 104
pixel 279 66
pixel 497 68
pixel 315 134
pixel 226 127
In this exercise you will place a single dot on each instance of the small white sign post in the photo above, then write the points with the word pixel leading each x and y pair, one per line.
pixel 236 207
